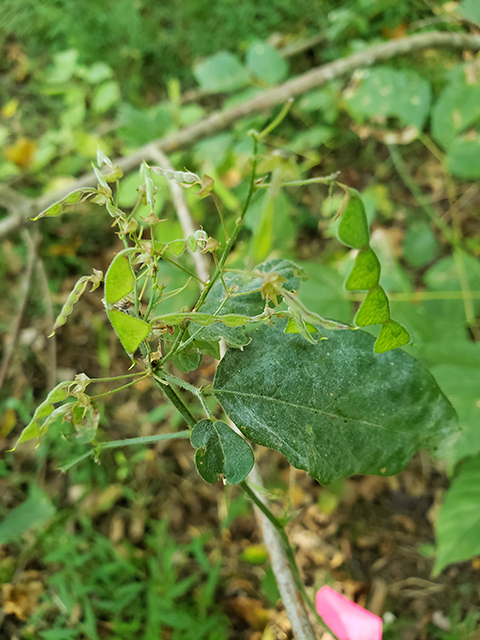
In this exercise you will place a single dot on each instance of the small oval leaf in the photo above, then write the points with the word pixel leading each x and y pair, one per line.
pixel 221 451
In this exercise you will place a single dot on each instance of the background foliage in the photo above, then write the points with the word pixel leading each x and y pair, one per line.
pixel 404 134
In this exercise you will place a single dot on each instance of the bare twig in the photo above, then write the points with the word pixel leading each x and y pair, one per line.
pixel 11 341
pixel 291 597
pixel 51 360
pixel 264 101
pixel 186 221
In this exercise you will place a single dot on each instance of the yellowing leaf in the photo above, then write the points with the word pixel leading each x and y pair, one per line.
pixel 21 153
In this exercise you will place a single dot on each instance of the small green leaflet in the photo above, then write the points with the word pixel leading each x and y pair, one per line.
pixel 374 309
pixel 119 282
pixel 119 279
pixel 221 452
pixel 131 331
pixel 392 335
pixel 353 226
pixel 365 273
pixel 365 276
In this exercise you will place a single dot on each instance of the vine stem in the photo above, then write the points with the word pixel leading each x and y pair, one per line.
pixel 281 565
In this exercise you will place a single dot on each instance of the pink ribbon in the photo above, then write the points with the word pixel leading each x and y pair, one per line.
pixel 347 620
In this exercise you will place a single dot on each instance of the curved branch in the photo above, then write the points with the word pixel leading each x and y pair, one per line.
pixel 265 101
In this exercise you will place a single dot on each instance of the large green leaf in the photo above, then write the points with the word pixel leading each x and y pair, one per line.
pixel 333 408
pixel 385 91
pixel 221 451
pixel 221 72
pixel 461 383
pixel 458 524
pixel 458 105
pixel 463 157
pixel 266 63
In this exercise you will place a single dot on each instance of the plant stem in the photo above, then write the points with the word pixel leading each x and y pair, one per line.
pixel 176 401
pixel 113 444
pixel 236 231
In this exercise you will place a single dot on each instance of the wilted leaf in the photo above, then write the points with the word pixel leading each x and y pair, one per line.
pixel 21 153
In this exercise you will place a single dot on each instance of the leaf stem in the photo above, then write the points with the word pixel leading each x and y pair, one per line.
pixel 176 401
pixel 113 444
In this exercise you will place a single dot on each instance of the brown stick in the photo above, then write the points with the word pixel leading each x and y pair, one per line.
pixel 265 101
pixel 186 221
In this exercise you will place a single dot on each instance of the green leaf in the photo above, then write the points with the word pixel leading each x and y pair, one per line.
pixel 221 451
pixel 119 279
pixel 222 72
pixel 458 523
pixel 385 91
pixel 353 226
pixel 265 62
pixel 333 408
pixel 458 106
pixel 470 9
pixel 34 512
pixel 130 331
pixel 187 359
pixel 461 384
pixel 106 96
pixel 392 335
pixel 463 157
pixel 420 246
pixel 365 273
pixel 375 309
pixel 292 326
